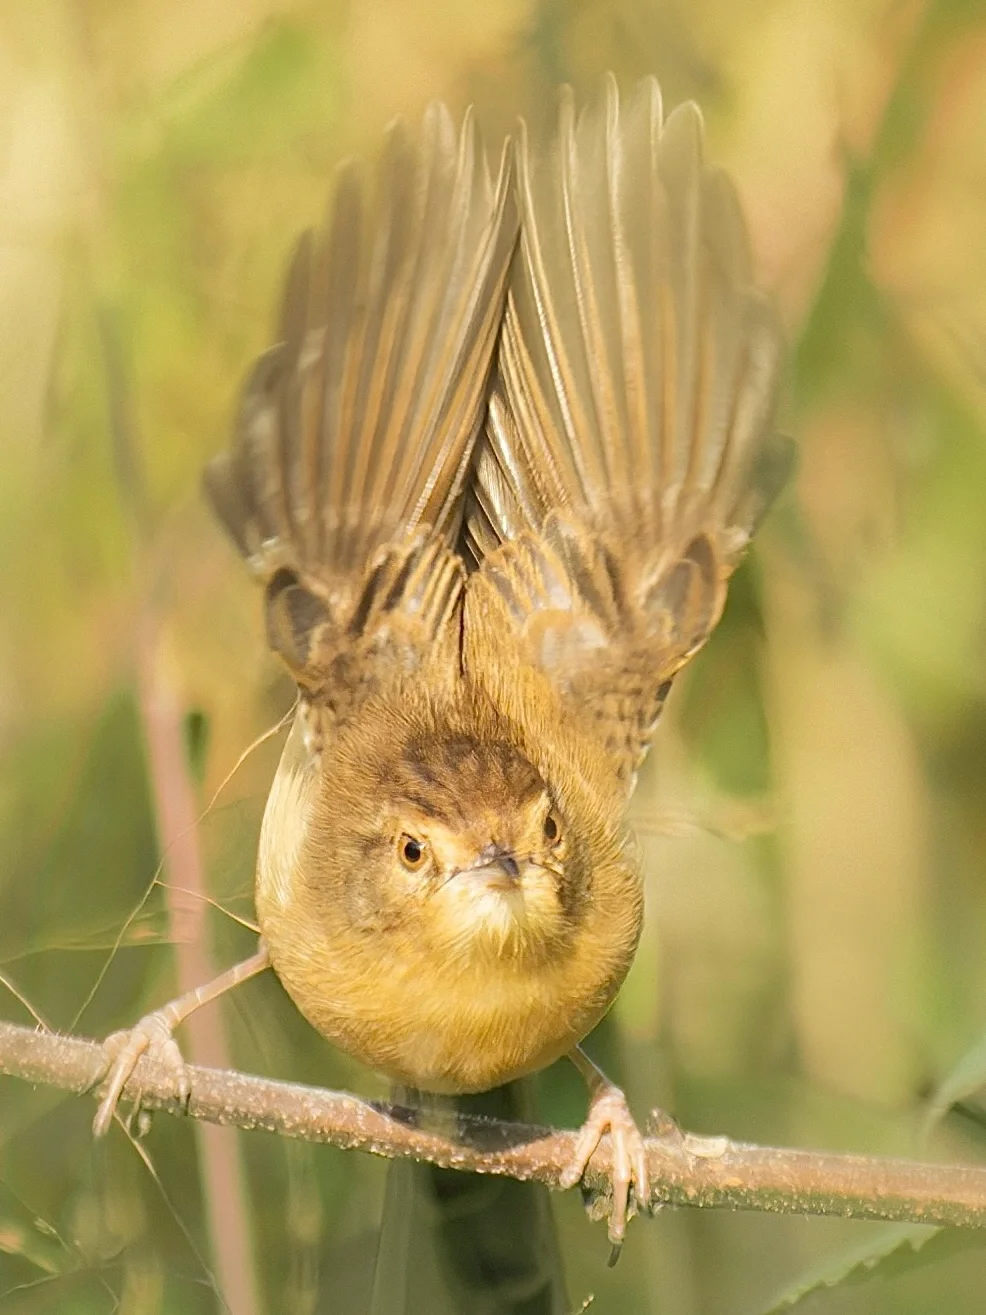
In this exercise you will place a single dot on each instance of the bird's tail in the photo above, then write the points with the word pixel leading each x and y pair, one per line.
pixel 468 1244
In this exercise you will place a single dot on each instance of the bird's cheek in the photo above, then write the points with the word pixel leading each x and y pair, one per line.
pixel 396 891
pixel 414 893
pixel 543 899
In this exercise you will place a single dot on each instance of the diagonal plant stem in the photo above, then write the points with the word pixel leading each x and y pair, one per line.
pixel 711 1172
pixel 176 818
pixel 179 840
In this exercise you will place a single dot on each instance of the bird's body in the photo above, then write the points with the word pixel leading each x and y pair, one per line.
pixel 484 626
pixel 494 475
pixel 467 976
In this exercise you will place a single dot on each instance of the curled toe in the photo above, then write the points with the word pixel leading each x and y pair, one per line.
pixel 610 1114
pixel 122 1050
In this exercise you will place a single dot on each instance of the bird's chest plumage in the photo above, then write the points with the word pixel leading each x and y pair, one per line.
pixel 452 986
pixel 453 1027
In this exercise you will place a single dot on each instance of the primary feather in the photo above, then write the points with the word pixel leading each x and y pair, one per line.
pixel 344 484
pixel 628 453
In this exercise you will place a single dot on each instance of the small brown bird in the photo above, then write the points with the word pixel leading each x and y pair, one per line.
pixel 484 591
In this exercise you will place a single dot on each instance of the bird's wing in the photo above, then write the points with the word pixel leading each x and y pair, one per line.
pixel 628 455
pixel 343 485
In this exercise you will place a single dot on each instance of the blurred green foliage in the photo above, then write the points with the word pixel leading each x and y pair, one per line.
pixel 808 984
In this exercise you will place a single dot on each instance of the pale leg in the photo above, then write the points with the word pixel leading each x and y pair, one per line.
pixel 153 1034
pixel 609 1112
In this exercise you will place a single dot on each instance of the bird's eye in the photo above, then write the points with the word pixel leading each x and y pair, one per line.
pixel 412 852
pixel 552 828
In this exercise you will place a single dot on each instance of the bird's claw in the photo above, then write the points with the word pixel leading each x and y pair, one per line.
pixel 152 1036
pixel 610 1113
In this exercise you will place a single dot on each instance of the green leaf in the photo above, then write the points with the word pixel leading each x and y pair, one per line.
pixel 966 1079
pixel 886 1253
pixel 33 1242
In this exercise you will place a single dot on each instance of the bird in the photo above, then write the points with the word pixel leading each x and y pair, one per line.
pixel 511 442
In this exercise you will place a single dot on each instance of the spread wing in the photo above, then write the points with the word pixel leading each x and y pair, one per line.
pixel 343 485
pixel 628 455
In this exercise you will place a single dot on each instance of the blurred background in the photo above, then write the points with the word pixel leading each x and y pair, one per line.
pixel 812 971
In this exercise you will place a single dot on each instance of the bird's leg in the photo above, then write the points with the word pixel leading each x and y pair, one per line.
pixel 153 1034
pixel 609 1112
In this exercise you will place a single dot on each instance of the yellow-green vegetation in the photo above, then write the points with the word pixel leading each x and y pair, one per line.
pixel 813 817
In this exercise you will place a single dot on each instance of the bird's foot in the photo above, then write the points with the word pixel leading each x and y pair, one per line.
pixel 151 1036
pixel 610 1113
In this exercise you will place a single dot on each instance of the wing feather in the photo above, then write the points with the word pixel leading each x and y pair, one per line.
pixel 628 454
pixel 346 474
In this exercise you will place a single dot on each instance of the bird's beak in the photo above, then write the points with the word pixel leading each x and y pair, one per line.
pixel 498 868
